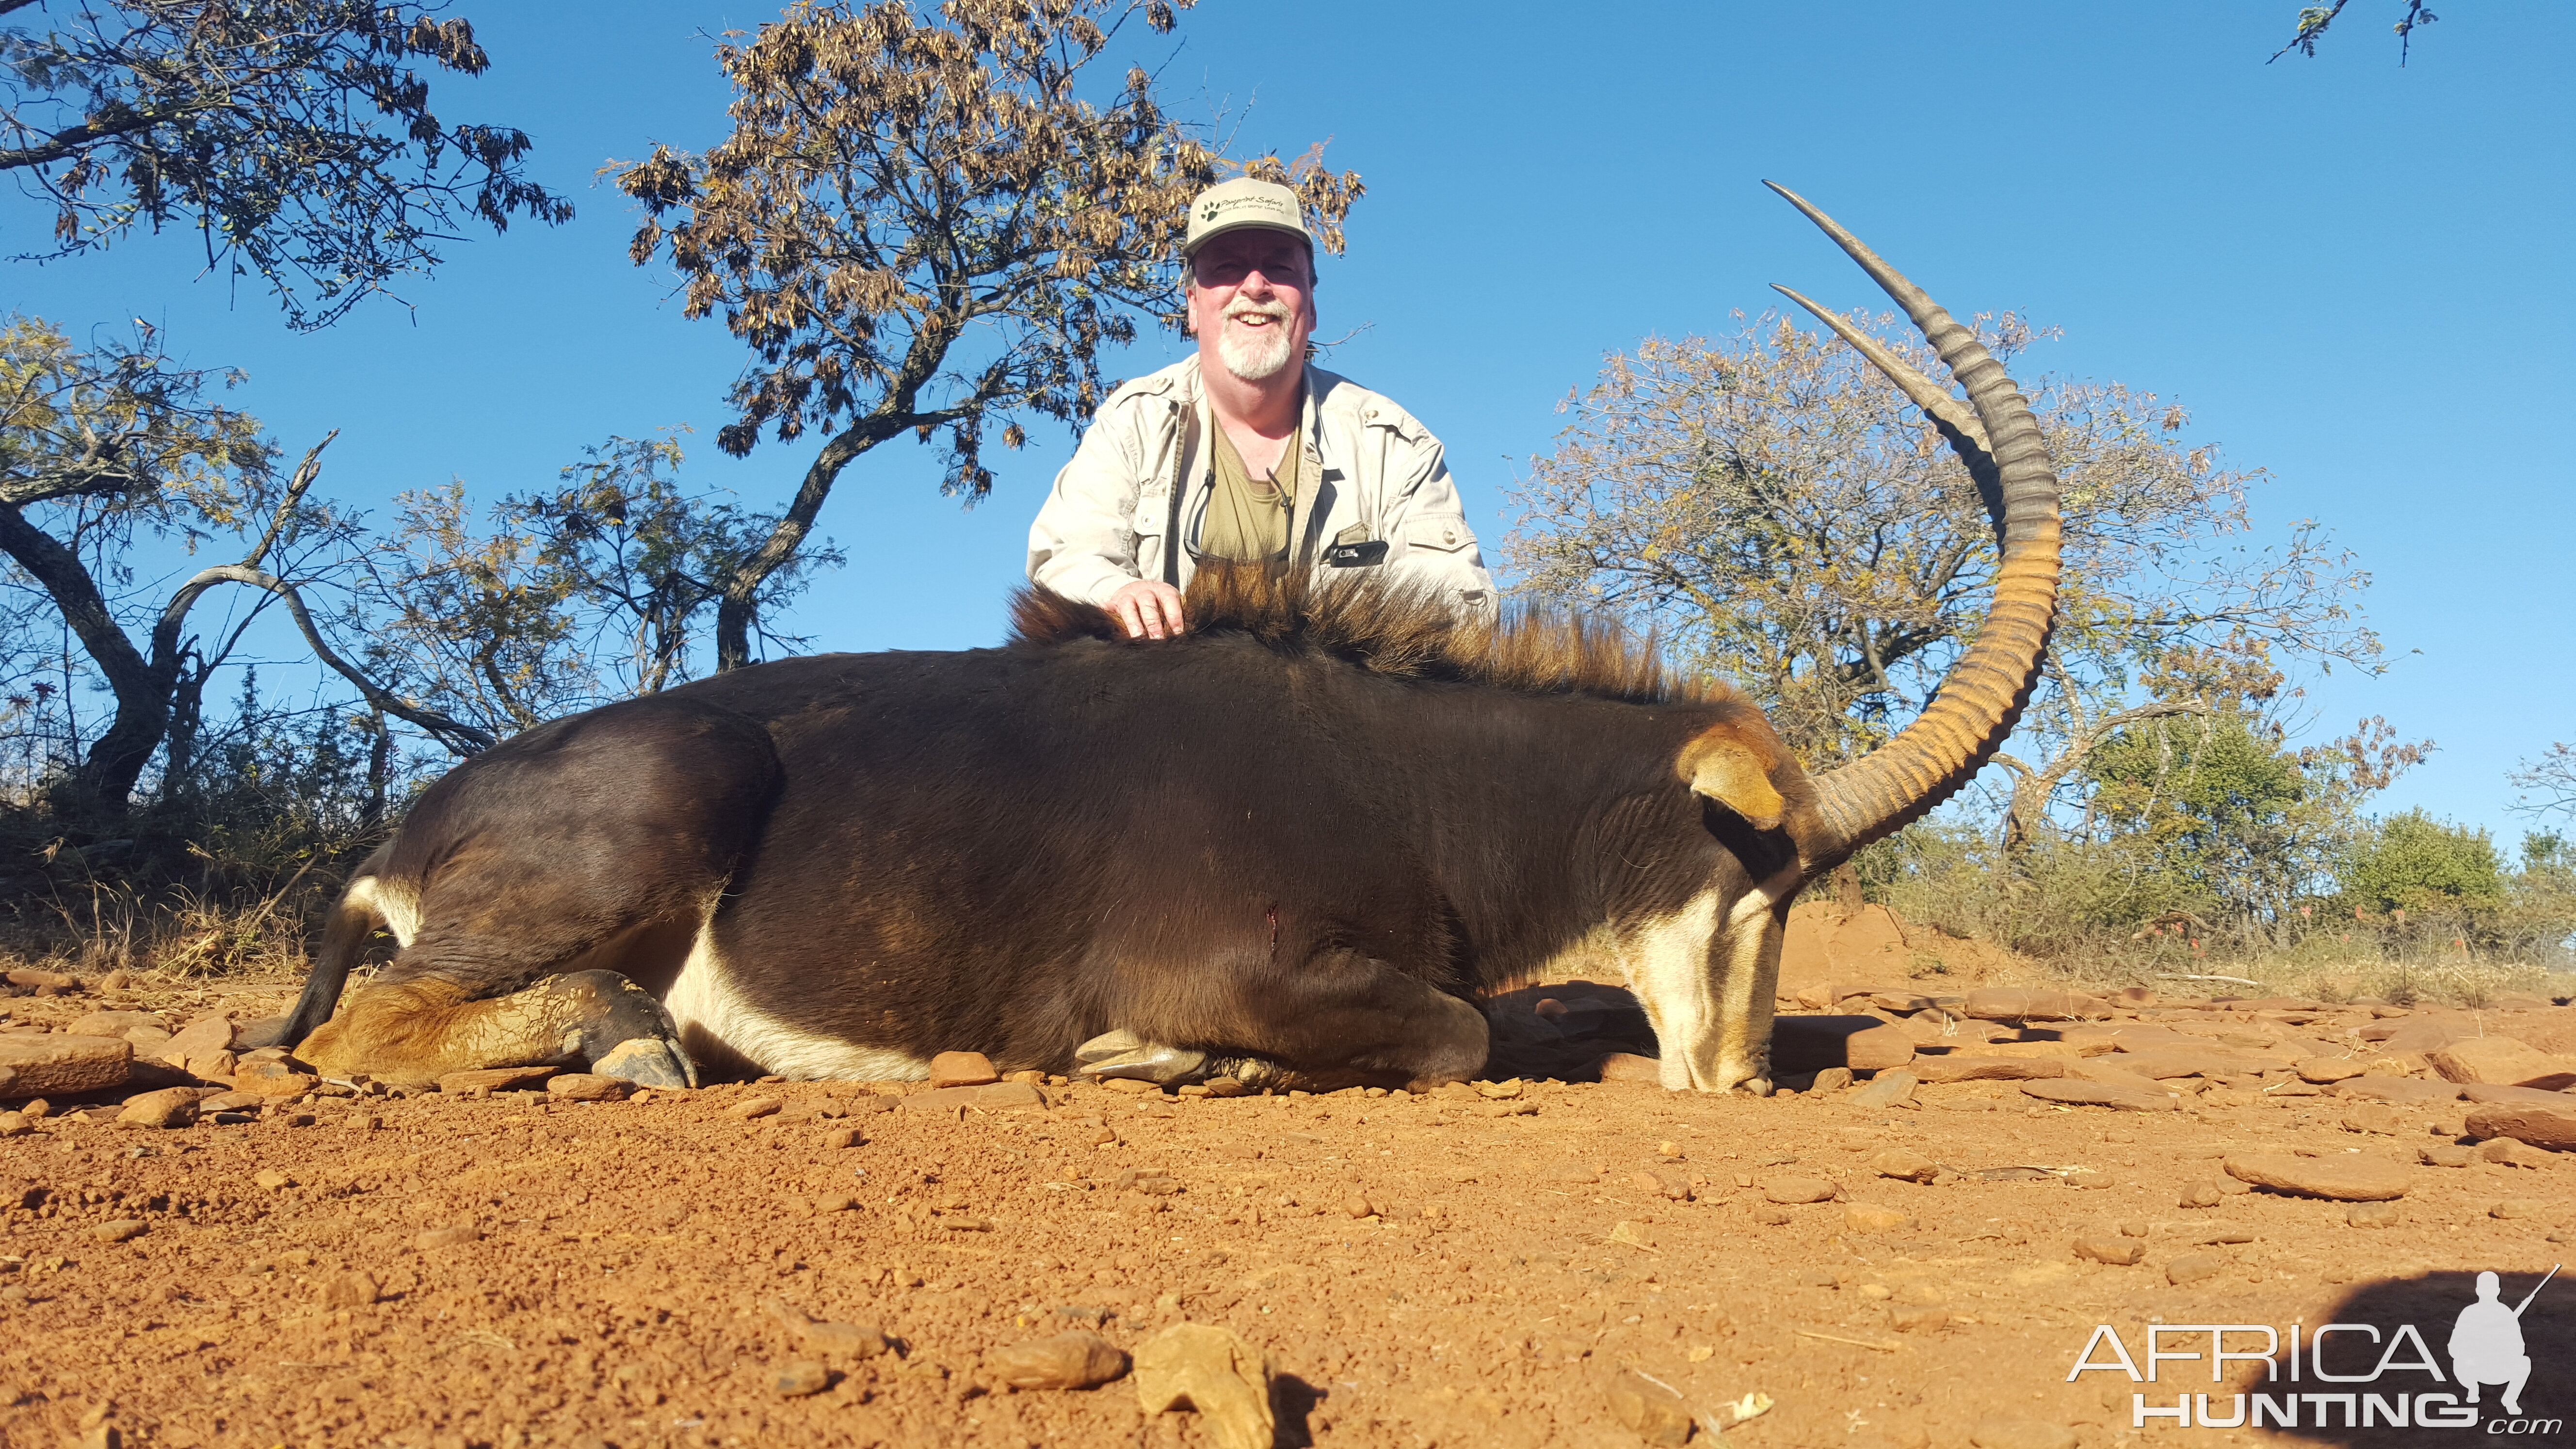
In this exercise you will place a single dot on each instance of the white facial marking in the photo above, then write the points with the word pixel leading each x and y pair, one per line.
pixel 396 902
pixel 1711 1017
pixel 706 996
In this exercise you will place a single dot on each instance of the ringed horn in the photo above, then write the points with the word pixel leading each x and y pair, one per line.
pixel 1996 436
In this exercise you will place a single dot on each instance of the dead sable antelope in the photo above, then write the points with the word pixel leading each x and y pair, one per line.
pixel 1293 846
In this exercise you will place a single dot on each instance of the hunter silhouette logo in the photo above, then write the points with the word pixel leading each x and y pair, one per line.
pixel 2486 1347
pixel 2486 1343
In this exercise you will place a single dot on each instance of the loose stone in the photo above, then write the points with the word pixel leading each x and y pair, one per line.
pixel 585 1087
pixel 1215 1372
pixel 2541 1126
pixel 169 1107
pixel 2341 1177
pixel 349 1290
pixel 2192 1268
pixel 121 1230
pixel 63 1066
pixel 2118 1252
pixel 435 1240
pixel 1873 1218
pixel 962 1069
pixel 1649 1407
pixel 2372 1215
pixel 802 1379
pixel 754 1109
pixel 1798 1189
pixel 1080 1359
pixel 1888 1089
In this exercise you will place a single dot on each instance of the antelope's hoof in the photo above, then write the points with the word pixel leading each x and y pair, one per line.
pixel 647 1061
pixel 1124 1054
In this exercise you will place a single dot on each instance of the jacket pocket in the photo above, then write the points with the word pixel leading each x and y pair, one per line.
pixel 1444 534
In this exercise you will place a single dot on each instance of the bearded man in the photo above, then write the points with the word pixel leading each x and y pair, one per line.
pixel 1245 452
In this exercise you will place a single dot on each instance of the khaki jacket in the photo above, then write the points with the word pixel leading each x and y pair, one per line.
pixel 1370 475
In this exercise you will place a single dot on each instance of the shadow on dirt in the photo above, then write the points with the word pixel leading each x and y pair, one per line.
pixel 2380 1372
pixel 1562 1030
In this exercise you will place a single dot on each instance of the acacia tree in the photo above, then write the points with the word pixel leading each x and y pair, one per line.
pixel 566 597
pixel 294 135
pixel 2549 780
pixel 1790 521
pixel 920 224
pixel 101 446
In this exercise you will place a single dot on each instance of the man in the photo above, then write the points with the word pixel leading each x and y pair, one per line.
pixel 1244 452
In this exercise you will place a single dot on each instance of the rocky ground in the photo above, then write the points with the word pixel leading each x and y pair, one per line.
pixel 1914 1257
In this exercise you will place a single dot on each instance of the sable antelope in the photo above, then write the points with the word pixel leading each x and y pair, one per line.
pixel 1293 846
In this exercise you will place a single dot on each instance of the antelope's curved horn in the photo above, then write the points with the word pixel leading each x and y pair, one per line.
pixel 1977 705
pixel 1958 425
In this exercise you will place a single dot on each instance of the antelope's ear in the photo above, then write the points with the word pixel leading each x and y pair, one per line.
pixel 1720 765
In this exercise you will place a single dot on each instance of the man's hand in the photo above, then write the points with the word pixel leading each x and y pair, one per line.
pixel 1149 608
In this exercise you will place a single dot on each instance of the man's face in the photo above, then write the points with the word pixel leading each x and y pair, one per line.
pixel 1252 302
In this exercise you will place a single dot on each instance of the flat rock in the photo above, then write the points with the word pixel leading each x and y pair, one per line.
pixel 2322 1070
pixel 168 1107
pixel 117 1023
pixel 1887 1090
pixel 439 1240
pixel 495 1079
pixel 1812 1043
pixel 1797 1189
pixel 2483 1095
pixel 1651 1408
pixel 203 1037
pixel 1864 1217
pixel 1908 1166
pixel 2114 1095
pixel 2397 1089
pixel 801 1379
pixel 1080 1359
pixel 2117 1252
pixel 1208 1369
pixel 823 1336
pixel 2179 1062
pixel 120 1230
pixel 1981 1068
pixel 2501 1061
pixel 584 1087
pixel 2032 1003
pixel 2339 1177
pixel 992 1097
pixel 2538 1124
pixel 273 1079
pixel 65 1066
pixel 349 1290
pixel 2193 1268
pixel 962 1069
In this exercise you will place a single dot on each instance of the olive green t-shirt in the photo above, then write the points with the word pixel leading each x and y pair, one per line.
pixel 1247 517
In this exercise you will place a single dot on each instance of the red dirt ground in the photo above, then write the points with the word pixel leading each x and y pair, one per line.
pixel 1512 1256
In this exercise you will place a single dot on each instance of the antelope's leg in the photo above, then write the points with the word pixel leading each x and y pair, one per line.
pixel 410 1033
pixel 1340 1020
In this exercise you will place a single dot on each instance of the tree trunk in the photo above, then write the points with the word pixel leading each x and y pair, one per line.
pixel 104 779
pixel 739 609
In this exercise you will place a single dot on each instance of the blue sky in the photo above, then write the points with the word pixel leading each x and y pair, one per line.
pixel 2356 276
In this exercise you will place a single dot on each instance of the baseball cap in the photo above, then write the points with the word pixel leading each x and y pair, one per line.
pixel 1244 201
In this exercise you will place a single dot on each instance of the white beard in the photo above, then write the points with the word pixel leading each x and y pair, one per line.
pixel 1254 353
